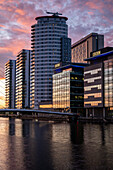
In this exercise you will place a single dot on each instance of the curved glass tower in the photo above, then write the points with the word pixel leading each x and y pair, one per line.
pixel 46 37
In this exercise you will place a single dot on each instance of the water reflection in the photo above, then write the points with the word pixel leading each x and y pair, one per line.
pixel 77 133
pixel 11 126
pixel 30 145
pixel 61 148
pixel 103 133
pixel 25 128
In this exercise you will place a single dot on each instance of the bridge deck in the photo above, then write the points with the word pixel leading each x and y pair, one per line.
pixel 37 111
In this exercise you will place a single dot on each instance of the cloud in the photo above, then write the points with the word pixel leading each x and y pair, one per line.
pixel 84 17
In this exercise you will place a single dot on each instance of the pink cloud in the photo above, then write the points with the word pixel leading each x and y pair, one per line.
pixel 93 5
pixel 91 13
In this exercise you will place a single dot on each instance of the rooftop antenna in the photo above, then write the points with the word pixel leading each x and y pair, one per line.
pixel 54 13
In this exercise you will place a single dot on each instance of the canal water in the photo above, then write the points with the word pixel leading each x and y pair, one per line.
pixel 33 145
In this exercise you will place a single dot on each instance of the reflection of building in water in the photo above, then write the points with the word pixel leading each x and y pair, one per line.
pixel 25 128
pixel 77 133
pixel 16 151
pixel 11 126
pixel 93 142
pixel 18 127
pixel 61 148
pixel 4 143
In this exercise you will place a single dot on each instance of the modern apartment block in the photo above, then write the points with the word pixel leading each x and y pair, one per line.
pixel 10 79
pixel 98 83
pixel 81 49
pixel 47 36
pixel 68 87
pixel 23 79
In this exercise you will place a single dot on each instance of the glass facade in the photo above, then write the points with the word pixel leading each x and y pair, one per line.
pixel 61 90
pixel 108 82
pixel 68 89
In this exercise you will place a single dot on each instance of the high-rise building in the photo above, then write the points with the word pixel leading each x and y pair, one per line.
pixel 81 49
pixel 98 83
pixel 23 79
pixel 47 49
pixel 10 79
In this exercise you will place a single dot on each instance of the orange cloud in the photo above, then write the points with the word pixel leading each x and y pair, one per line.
pixel 2 79
pixel 2 25
pixel 26 31
pixel 20 11
pixel 16 45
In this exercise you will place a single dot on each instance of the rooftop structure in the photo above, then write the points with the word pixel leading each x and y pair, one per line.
pixel 82 48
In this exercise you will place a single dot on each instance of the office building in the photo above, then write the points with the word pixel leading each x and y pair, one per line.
pixel 47 36
pixel 98 82
pixel 23 79
pixel 68 87
pixel 81 49
pixel 10 79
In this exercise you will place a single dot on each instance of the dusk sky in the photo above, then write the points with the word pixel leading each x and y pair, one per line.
pixel 84 17
pixel 2 93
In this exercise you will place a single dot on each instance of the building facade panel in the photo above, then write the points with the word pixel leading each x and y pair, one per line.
pixel 93 86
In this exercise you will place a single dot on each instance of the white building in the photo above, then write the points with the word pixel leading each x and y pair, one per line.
pixel 46 52
pixel 23 79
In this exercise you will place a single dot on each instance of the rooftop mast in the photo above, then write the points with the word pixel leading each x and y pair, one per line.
pixel 54 13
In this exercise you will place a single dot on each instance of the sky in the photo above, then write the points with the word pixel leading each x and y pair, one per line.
pixel 84 17
pixel 2 93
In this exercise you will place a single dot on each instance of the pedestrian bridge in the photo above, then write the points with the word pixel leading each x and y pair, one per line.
pixel 37 111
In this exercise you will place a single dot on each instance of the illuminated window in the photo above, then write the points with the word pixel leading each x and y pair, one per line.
pixel 95 71
pixel 88 88
pixel 92 79
pixel 95 95
pixel 93 103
